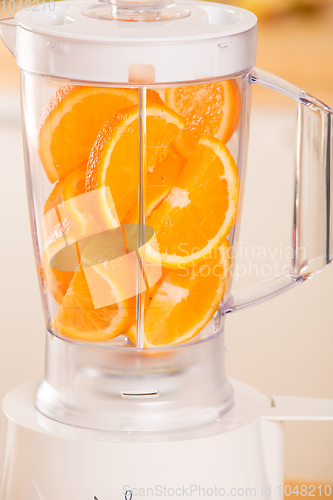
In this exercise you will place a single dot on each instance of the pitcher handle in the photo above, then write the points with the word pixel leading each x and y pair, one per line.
pixel 312 222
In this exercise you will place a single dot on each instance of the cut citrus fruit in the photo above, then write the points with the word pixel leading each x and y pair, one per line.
pixel 200 210
pixel 50 218
pixel 186 300
pixel 60 257
pixel 71 122
pixel 159 183
pixel 74 183
pixel 58 239
pixel 154 97
pixel 99 303
pixel 77 317
pixel 114 161
pixel 70 233
pixel 54 198
pixel 150 292
pixel 78 206
pixel 57 282
pixel 209 109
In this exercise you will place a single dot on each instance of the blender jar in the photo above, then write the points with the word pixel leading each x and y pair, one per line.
pixel 136 122
pixel 140 203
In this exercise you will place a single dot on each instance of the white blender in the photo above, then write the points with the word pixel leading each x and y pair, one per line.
pixel 136 122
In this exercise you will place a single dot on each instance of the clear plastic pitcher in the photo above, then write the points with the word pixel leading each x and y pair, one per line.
pixel 136 124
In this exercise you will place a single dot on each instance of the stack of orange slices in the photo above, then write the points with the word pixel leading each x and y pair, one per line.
pixel 161 177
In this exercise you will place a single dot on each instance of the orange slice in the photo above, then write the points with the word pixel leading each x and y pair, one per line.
pixel 200 210
pixel 50 219
pixel 186 300
pixel 64 246
pixel 100 302
pixel 209 109
pixel 154 97
pixel 74 184
pixel 77 318
pixel 114 161
pixel 71 122
pixel 54 198
pixel 56 281
pixel 77 207
pixel 159 183
pixel 63 190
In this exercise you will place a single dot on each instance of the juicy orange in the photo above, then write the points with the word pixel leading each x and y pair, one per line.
pixel 64 247
pixel 154 97
pixel 77 207
pixel 209 109
pixel 200 210
pixel 114 161
pixel 54 198
pixel 56 281
pixel 150 292
pixel 186 300
pixel 50 218
pixel 63 190
pixel 74 184
pixel 70 236
pixel 100 302
pixel 77 317
pixel 159 183
pixel 71 122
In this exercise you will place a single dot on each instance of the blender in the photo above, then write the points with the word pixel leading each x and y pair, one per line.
pixel 135 125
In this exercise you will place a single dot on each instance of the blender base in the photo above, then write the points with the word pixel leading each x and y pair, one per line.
pixel 240 454
pixel 124 389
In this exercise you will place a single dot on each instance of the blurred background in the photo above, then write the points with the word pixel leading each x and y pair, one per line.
pixel 284 346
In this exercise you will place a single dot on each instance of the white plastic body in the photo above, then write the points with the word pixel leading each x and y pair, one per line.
pixel 46 460
pixel 42 459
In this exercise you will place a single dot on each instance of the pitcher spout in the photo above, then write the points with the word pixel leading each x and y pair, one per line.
pixel 8 33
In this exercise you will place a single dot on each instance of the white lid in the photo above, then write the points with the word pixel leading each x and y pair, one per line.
pixel 153 41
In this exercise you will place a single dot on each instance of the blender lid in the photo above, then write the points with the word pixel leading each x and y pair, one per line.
pixel 142 41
